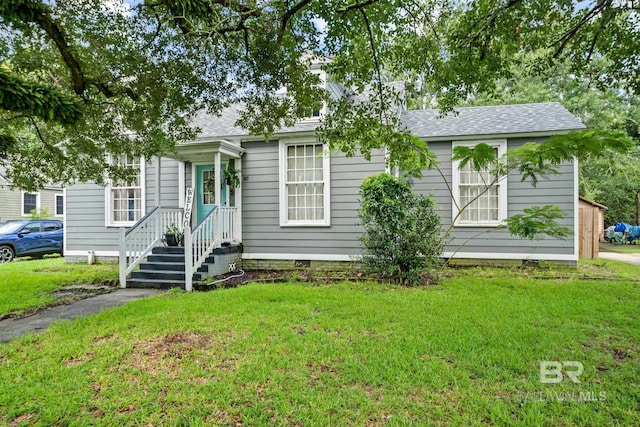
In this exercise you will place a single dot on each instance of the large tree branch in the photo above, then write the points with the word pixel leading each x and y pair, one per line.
pixel 490 19
pixel 25 12
pixel 284 20
pixel 570 34
pixel 356 6
pixel 201 10
pixel 42 17
pixel 376 62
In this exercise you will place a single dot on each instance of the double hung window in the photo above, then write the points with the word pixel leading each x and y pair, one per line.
pixel 304 184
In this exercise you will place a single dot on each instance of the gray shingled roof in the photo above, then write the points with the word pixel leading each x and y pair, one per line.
pixel 223 126
pixel 500 119
pixel 493 120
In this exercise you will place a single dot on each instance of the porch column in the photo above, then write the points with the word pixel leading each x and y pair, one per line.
pixel 217 225
pixel 158 167
pixel 238 201
pixel 217 177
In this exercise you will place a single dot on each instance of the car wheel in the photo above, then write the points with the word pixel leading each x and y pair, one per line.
pixel 6 253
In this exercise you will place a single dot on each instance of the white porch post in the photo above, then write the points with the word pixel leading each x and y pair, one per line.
pixel 238 219
pixel 123 259
pixel 217 169
pixel 188 260
pixel 158 167
pixel 218 176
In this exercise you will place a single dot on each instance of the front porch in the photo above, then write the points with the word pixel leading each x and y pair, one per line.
pixel 209 218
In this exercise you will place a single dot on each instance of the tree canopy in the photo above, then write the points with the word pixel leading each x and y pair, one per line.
pixel 611 178
pixel 84 79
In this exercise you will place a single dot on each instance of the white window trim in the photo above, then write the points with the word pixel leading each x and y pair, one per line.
pixel 108 199
pixel 322 75
pixel 326 166
pixel 55 205
pixel 501 145
pixel 28 215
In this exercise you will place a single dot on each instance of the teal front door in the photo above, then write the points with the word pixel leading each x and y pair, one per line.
pixel 205 191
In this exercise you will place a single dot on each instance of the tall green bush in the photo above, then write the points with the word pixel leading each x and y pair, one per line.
pixel 401 230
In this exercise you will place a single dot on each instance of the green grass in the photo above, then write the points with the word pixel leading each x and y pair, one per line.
pixel 623 249
pixel 465 352
pixel 27 284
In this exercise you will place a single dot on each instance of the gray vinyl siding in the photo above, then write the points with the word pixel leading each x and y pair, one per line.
pixel 11 203
pixel 169 186
pixel 85 217
pixel 261 228
pixel 85 220
pixel 557 190
pixel 188 167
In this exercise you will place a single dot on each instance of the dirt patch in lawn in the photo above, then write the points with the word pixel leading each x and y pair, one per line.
pixel 64 296
pixel 272 276
pixel 166 354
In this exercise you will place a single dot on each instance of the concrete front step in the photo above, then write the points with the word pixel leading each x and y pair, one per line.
pixel 155 284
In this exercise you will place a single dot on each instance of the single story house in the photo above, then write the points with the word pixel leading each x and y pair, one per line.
pixel 16 204
pixel 297 204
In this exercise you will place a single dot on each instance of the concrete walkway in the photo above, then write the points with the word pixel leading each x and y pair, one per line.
pixel 38 322
pixel 628 258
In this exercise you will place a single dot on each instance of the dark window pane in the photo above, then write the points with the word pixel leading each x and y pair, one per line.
pixel 59 205
pixel 30 202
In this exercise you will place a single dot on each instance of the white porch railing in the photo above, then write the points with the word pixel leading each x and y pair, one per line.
pixel 229 225
pixel 138 241
pixel 198 245
pixel 220 225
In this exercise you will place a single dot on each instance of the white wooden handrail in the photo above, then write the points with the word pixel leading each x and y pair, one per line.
pixel 198 245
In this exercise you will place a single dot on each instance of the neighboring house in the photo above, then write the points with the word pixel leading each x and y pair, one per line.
pixel 298 206
pixel 16 204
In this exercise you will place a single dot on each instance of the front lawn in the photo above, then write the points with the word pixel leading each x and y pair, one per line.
pixel 623 249
pixel 28 284
pixel 466 352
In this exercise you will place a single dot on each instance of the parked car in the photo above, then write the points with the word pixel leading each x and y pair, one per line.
pixel 30 237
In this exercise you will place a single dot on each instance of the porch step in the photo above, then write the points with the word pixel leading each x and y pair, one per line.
pixel 154 283
pixel 168 250
pixel 169 266
pixel 164 269
pixel 157 274
pixel 164 258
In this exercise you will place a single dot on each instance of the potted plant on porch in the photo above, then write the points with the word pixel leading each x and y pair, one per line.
pixel 173 236
pixel 232 177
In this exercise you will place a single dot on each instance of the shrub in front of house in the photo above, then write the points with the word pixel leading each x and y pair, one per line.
pixel 401 230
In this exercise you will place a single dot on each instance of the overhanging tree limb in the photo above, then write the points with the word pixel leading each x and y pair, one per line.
pixel 47 103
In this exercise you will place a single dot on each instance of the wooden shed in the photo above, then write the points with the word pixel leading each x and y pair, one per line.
pixel 591 226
